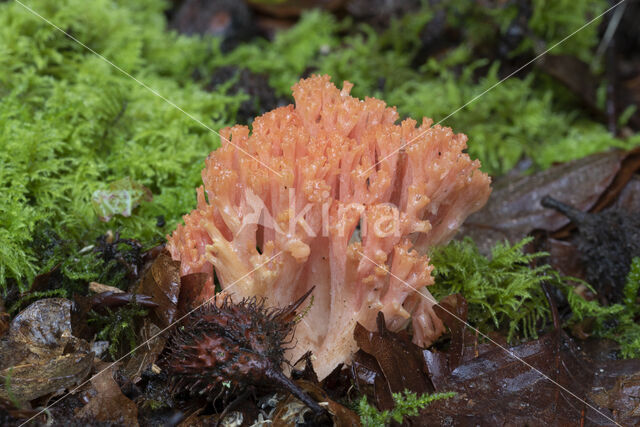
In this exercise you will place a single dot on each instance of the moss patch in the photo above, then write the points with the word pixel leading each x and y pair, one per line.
pixel 70 123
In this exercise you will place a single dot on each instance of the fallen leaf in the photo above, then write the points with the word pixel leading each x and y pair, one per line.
pixel 623 398
pixel 107 403
pixel 39 355
pixel 453 312
pixel 514 210
pixel 42 281
pixel 576 75
pixel 497 389
pixel 400 359
pixel 194 290
pixel 161 282
pixel 4 318
pixel 629 199
pixel 565 258
pixel 369 380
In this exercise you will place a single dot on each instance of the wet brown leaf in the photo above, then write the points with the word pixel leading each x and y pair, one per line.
pixel 564 257
pixel 399 359
pixel 453 312
pixel 513 210
pixel 192 287
pixel 629 199
pixel 13 412
pixel 623 398
pixel 161 282
pixel 107 403
pixel 369 379
pixel 576 76
pixel 42 281
pixel 497 389
pixel 39 355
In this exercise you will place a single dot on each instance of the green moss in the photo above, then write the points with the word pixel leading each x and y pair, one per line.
pixel 70 123
pixel 155 405
pixel 522 117
pixel 618 322
pixel 553 20
pixel 549 22
pixel 291 52
pixel 408 404
pixel 25 300
pixel 502 291
pixel 118 327
pixel 510 121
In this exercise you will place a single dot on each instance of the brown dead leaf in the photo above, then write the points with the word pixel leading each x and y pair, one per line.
pixel 453 312
pixel 576 75
pixel 565 258
pixel 399 359
pixel 513 210
pixel 4 319
pixel 629 199
pixel 497 389
pixel 369 379
pixel 192 288
pixel 162 283
pixel 623 398
pixel 39 355
pixel 107 403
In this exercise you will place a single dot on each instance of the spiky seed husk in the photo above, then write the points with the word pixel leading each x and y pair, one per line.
pixel 221 349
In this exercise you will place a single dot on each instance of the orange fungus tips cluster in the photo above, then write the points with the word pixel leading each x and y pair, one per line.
pixel 332 193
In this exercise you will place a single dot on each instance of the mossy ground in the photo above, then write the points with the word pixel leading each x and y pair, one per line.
pixel 70 123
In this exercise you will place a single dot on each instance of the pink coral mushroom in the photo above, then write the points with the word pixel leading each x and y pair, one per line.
pixel 349 202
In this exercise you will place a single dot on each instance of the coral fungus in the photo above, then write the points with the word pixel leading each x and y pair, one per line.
pixel 334 195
